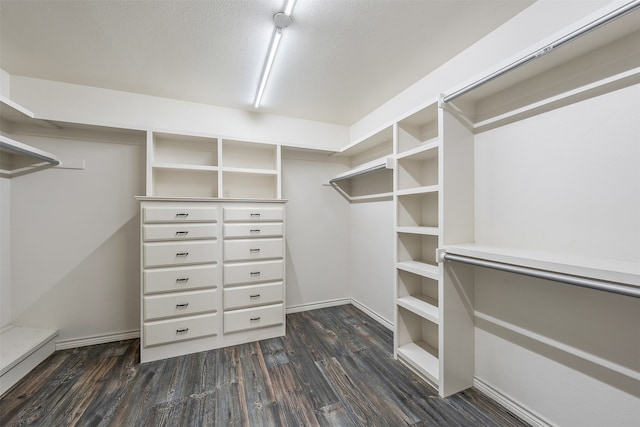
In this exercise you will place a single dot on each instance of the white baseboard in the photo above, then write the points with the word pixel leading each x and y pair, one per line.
pixel 384 322
pixel 103 339
pixel 317 305
pixel 511 405
pixel 100 339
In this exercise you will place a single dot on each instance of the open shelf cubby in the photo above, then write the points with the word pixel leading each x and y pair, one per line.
pixel 418 129
pixel 419 295
pixel 245 185
pixel 418 210
pixel 184 183
pixel 419 169
pixel 418 343
pixel 249 156
pixel 185 150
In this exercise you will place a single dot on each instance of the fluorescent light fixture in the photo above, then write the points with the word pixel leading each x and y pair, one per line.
pixel 281 21
pixel 288 7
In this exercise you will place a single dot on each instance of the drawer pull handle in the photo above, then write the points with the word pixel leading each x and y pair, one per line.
pixel 183 305
pixel 255 319
pixel 182 215
pixel 254 251
pixel 182 254
pixel 254 215
pixel 182 280
pixel 182 331
pixel 254 296
pixel 181 233
pixel 255 231
pixel 254 274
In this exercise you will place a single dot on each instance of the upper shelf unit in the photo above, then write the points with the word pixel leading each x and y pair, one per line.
pixel 17 158
pixel 370 163
pixel 581 64
pixel 201 166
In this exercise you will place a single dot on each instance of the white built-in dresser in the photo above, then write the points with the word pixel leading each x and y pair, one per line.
pixel 212 268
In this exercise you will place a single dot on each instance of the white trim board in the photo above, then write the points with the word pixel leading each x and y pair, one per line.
pixel 511 405
pixel 99 339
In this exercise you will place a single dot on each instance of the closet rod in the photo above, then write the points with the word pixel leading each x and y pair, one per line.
pixel 360 172
pixel 29 152
pixel 613 15
pixel 629 291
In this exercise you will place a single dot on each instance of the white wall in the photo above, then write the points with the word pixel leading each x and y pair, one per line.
pixel 566 181
pixel 317 222
pixel 95 106
pixel 372 265
pixel 5 252
pixel 536 25
pixel 75 240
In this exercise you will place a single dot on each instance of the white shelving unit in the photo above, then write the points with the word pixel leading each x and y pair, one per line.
pixel 417 189
pixel 370 175
pixel 433 180
pixel 211 167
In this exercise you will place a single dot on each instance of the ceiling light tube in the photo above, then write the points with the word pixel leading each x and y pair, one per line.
pixel 288 7
pixel 281 21
pixel 273 48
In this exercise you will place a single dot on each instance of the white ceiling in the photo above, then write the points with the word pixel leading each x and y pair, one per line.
pixel 339 59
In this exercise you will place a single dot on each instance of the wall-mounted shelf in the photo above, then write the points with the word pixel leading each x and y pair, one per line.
pixel 371 162
pixel 609 270
pixel 548 77
pixel 17 158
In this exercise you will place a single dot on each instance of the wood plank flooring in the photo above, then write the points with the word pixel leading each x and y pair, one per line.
pixel 335 367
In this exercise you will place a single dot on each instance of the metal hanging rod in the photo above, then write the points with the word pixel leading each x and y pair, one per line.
pixel 629 291
pixel 611 16
pixel 360 172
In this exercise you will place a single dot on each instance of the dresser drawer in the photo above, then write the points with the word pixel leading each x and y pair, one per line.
pixel 152 214
pixel 253 318
pixel 252 295
pixel 253 214
pixel 179 231
pixel 180 278
pixel 159 254
pixel 253 230
pixel 249 272
pixel 185 328
pixel 179 304
pixel 237 250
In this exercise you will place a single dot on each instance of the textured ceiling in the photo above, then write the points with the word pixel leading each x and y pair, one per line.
pixel 339 59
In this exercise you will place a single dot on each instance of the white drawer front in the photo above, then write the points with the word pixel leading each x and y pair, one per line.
pixel 237 250
pixel 249 272
pixel 180 278
pixel 159 254
pixel 252 295
pixel 166 331
pixel 180 214
pixel 254 214
pixel 179 231
pixel 253 230
pixel 252 318
pixel 179 304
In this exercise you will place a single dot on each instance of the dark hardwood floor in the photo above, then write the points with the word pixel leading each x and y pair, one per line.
pixel 334 368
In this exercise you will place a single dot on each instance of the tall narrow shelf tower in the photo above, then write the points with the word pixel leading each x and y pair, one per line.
pixel 432 182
